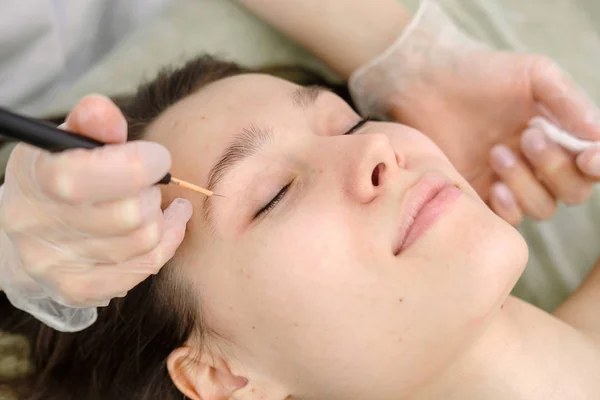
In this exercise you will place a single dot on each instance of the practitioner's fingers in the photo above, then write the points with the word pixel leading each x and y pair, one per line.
pixel 531 195
pixel 588 162
pixel 97 117
pixel 107 173
pixel 102 282
pixel 175 221
pixel 114 218
pixel 119 249
pixel 503 203
pixel 562 99
pixel 555 167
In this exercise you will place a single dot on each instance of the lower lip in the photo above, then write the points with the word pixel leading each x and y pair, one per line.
pixel 430 213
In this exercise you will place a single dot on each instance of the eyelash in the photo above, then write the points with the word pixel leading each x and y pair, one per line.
pixel 279 196
pixel 359 125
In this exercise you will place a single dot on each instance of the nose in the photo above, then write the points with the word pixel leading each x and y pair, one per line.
pixel 371 167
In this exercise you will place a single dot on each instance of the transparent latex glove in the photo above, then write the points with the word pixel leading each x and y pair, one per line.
pixel 81 227
pixel 476 104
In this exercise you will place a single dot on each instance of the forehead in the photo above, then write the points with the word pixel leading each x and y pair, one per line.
pixel 199 127
pixel 220 107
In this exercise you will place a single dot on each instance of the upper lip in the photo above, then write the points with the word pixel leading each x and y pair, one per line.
pixel 421 193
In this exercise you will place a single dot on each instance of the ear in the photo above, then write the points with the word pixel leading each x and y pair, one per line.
pixel 204 377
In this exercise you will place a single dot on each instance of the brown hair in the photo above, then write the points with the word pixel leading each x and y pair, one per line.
pixel 123 355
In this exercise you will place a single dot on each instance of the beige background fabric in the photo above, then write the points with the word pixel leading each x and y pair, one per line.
pixel 563 249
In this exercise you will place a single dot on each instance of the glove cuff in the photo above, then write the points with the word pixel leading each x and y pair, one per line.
pixel 431 39
pixel 24 294
pixel 54 314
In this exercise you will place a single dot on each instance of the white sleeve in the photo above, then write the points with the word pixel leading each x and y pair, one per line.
pixel 46 45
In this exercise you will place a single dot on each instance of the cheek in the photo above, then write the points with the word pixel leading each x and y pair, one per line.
pixel 420 154
pixel 473 266
pixel 282 271
pixel 308 254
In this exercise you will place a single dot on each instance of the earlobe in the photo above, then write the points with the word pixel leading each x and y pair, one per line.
pixel 202 377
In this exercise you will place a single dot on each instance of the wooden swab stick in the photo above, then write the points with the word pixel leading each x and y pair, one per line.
pixel 188 185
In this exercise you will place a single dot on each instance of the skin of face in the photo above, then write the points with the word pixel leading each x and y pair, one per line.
pixel 309 299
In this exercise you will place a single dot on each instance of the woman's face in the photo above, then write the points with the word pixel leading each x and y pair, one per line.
pixel 305 267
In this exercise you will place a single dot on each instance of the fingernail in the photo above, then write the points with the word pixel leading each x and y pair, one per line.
pixel 504 195
pixel 179 206
pixel 589 164
pixel 503 156
pixel 534 141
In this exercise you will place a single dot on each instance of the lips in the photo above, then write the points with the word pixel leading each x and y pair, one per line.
pixel 423 204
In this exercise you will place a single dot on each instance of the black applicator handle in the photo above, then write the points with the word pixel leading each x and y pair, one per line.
pixel 47 137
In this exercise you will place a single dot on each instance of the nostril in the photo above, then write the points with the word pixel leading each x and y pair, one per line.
pixel 377 172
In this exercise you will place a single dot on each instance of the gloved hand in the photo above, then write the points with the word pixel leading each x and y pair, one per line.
pixel 476 104
pixel 81 227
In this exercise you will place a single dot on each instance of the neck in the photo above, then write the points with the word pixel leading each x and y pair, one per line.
pixel 524 354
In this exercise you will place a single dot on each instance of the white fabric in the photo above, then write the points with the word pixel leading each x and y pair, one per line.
pixel 46 45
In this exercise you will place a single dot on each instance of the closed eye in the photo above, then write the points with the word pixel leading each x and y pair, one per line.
pixel 359 125
pixel 274 201
pixel 279 196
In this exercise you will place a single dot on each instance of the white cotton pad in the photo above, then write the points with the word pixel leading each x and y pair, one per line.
pixel 561 137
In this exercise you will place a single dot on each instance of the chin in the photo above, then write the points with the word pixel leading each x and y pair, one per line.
pixel 502 255
pixel 516 252
pixel 492 254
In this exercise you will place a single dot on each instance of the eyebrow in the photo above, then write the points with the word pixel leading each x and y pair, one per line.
pixel 245 144
pixel 306 96
pixel 251 140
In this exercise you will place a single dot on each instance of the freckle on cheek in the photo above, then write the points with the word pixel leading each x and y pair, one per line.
pixel 400 300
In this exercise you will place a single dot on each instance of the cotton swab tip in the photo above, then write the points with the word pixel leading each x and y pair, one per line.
pixel 562 137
